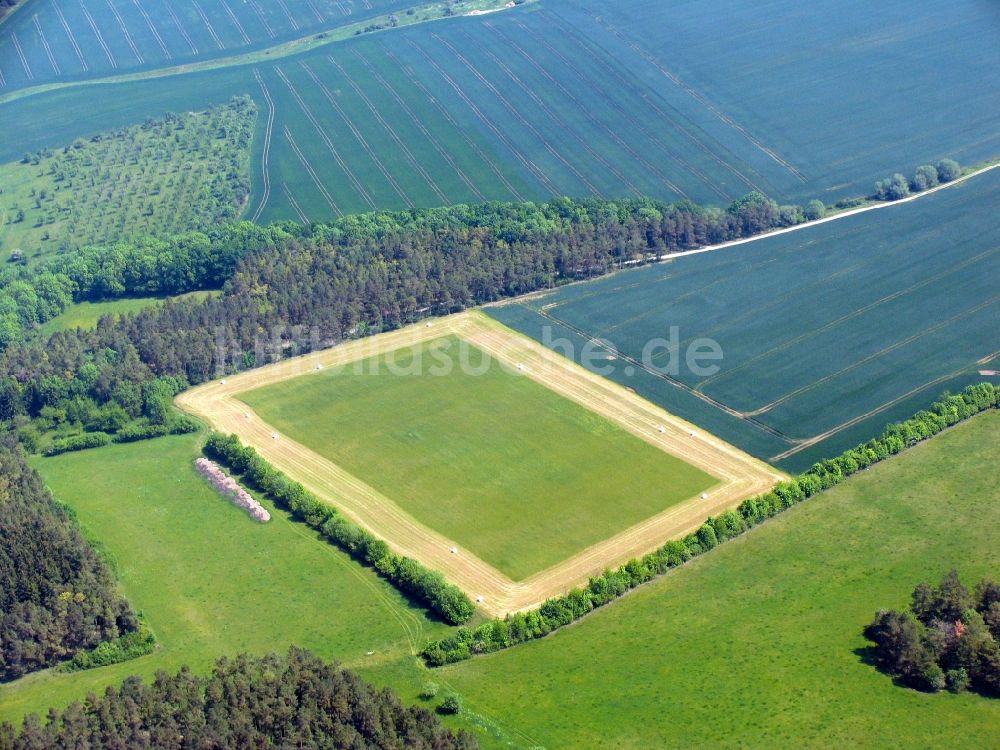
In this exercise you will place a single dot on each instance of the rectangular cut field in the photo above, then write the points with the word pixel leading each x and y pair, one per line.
pixel 515 473
pixel 827 333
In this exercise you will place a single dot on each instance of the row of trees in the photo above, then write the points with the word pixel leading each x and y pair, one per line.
pixel 925 177
pixel 57 597
pixel 293 701
pixel 555 613
pixel 493 232
pixel 427 587
pixel 949 637
pixel 290 289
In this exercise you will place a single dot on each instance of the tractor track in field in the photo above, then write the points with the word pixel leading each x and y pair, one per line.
pixel 739 475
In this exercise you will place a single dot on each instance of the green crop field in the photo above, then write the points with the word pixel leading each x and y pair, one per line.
pixel 565 98
pixel 55 40
pixel 827 334
pixel 758 644
pixel 520 476
pixel 187 171
pixel 210 581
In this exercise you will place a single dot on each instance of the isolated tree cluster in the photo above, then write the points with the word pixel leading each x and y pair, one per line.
pixel 925 177
pixel 948 638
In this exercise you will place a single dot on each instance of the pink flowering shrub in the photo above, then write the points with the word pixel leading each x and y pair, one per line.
pixel 230 489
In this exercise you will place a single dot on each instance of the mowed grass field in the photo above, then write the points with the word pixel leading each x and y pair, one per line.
pixel 758 643
pixel 211 582
pixel 827 333
pixel 564 98
pixel 518 475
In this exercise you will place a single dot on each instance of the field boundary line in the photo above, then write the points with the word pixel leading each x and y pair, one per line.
pixel 700 98
pixel 600 124
pixel 208 24
pixel 71 37
pixel 236 22
pixel 478 75
pixel 265 156
pixel 125 32
pixel 311 172
pixel 404 149
pixel 45 45
pixel 358 135
pixel 739 474
pixel 152 28
pixel 560 121
pixel 518 154
pixel 181 29
pixel 412 77
pixel 358 186
pixel 100 37
pixel 401 103
pixel 629 86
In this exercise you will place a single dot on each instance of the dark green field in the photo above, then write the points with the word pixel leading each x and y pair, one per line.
pixel 519 475
pixel 827 334
pixel 569 97
pixel 758 643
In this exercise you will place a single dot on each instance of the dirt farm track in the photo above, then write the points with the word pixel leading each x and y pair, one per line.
pixel 740 475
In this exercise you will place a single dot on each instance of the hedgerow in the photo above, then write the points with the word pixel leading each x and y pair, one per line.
pixel 426 586
pixel 612 584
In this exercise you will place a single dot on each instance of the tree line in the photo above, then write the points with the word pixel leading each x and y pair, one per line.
pixel 291 701
pixel 925 177
pixel 428 587
pixel 289 289
pixel 57 596
pixel 560 611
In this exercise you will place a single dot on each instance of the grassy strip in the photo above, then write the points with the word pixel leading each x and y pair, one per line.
pixel 560 611
pixel 406 17
pixel 410 577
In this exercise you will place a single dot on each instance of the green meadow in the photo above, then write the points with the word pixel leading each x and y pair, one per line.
pixel 210 581
pixel 758 643
pixel 519 475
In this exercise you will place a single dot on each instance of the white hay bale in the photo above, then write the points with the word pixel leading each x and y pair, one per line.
pixel 429 324
pixel 454 550
pixel 704 496
pixel 222 382
pixel 274 436
pixel 661 428
pixel 479 600
pixel 520 366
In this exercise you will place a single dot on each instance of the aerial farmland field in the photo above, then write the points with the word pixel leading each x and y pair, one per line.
pixel 827 333
pixel 435 443
pixel 482 455
pixel 543 100
pixel 759 643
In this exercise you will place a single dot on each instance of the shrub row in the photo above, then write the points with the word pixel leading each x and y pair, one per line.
pixel 128 434
pixel 562 610
pixel 426 586
pixel 129 646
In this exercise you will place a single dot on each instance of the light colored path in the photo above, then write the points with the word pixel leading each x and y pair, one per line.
pixel 739 474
